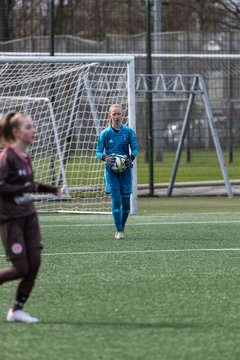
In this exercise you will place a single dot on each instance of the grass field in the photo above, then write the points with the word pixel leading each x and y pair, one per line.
pixel 203 166
pixel 170 290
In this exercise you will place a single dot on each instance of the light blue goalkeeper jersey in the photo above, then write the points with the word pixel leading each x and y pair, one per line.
pixel 123 142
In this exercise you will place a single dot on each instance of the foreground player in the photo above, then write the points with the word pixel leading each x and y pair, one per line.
pixel 121 140
pixel 19 227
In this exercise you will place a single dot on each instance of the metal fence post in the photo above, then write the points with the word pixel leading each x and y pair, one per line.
pixel 149 97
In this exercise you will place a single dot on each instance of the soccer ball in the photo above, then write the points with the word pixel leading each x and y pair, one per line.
pixel 119 166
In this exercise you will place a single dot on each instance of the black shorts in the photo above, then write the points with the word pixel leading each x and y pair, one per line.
pixel 20 235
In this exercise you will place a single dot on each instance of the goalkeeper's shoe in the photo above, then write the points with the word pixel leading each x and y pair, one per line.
pixel 119 235
pixel 20 316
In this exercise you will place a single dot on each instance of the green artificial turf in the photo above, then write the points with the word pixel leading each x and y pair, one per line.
pixel 170 290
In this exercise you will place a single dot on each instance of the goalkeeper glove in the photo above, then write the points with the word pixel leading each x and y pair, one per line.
pixel 128 162
pixel 110 160
pixel 37 187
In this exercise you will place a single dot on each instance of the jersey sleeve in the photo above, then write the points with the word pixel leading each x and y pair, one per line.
pixel 45 188
pixel 7 189
pixel 100 146
pixel 133 143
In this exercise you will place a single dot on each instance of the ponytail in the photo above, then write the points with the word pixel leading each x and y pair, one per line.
pixel 8 122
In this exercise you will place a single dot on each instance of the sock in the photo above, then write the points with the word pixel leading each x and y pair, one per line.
pixel 117 211
pixel 125 209
pixel 19 301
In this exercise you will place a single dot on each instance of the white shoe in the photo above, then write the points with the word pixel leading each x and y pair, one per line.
pixel 20 316
pixel 119 235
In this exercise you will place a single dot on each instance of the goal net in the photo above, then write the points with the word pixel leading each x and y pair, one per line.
pixel 68 99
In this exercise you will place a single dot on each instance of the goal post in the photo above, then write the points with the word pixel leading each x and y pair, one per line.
pixel 68 98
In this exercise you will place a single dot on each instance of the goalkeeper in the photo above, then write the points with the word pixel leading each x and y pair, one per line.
pixel 19 227
pixel 121 140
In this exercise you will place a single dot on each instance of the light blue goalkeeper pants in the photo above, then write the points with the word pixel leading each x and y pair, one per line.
pixel 120 210
pixel 120 188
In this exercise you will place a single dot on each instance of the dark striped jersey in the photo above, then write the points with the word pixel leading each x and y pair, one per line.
pixel 17 184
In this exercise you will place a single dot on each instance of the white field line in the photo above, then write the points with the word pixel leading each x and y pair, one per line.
pixel 119 252
pixel 191 213
pixel 152 215
pixel 143 251
pixel 152 251
pixel 149 223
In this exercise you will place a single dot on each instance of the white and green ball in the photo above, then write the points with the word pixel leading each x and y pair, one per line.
pixel 119 165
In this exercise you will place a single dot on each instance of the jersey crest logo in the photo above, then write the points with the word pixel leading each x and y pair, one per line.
pixel 16 248
pixel 22 172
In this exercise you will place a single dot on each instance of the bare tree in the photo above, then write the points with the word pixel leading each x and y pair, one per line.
pixel 6 19
pixel 232 9
pixel 30 18
pixel 94 19
pixel 201 15
pixel 60 16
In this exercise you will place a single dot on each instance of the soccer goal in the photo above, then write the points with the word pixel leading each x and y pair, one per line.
pixel 68 99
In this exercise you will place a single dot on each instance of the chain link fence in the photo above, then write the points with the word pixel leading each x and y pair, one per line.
pixel 121 27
